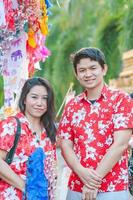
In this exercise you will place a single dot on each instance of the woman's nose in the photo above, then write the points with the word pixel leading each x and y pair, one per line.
pixel 39 101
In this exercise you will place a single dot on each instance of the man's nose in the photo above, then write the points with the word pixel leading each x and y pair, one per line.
pixel 88 72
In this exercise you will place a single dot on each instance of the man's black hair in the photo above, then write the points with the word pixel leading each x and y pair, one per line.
pixel 131 95
pixel 88 52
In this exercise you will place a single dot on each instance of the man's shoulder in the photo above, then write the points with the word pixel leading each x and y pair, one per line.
pixel 75 100
pixel 117 93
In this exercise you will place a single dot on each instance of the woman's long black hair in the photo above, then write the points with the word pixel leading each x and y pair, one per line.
pixel 47 118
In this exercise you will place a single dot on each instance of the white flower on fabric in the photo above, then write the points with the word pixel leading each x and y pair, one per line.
pixel 122 159
pixel 90 153
pixel 34 143
pixel 64 121
pixel 114 96
pixel 90 138
pixel 111 187
pixel 65 135
pixel 109 140
pixel 78 116
pixel 89 131
pixel 8 129
pixel 95 108
pixel 119 121
pixel 72 185
pixel 117 105
pixel 99 144
pixel 18 159
pixel 10 194
pixel 123 175
pixel 102 127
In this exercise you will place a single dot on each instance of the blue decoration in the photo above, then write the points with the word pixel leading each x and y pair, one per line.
pixel 36 182
pixel 48 4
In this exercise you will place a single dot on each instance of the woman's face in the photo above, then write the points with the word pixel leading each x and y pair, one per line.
pixel 36 101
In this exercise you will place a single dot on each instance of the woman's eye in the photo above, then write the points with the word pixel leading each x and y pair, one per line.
pixel 33 97
pixel 45 98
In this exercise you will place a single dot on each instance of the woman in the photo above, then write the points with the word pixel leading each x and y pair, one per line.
pixel 22 179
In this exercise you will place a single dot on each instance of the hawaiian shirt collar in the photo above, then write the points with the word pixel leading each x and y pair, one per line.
pixel 23 119
pixel 104 93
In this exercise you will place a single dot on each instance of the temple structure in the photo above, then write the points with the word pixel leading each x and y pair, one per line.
pixel 125 79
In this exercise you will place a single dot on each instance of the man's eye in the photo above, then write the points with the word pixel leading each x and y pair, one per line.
pixel 82 70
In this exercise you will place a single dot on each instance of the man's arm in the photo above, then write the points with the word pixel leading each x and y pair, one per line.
pixel 112 156
pixel 8 175
pixel 88 176
pixel 114 153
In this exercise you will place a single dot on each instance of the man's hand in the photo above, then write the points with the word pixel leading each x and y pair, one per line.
pixel 90 178
pixel 88 194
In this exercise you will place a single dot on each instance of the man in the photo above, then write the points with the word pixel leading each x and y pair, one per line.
pixel 95 129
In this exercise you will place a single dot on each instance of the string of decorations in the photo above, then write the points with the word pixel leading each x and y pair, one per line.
pixel 23 31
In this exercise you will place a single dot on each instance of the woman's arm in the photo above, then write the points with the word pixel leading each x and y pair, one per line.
pixel 8 175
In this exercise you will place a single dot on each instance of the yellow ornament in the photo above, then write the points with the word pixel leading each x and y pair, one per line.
pixel 43 26
pixel 31 38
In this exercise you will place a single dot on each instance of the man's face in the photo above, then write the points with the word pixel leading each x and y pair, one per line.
pixel 90 73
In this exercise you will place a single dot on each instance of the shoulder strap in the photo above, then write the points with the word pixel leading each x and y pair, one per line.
pixel 10 154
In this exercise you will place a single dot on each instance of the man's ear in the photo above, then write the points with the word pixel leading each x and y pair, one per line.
pixel 105 69
pixel 75 74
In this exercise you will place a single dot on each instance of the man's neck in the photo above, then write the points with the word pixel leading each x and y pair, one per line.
pixel 95 93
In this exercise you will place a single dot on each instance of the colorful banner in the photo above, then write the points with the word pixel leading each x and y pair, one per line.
pixel 23 31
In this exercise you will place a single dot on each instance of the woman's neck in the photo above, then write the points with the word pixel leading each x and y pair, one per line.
pixel 35 123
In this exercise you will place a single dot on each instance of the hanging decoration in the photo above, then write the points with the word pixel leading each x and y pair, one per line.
pixel 23 31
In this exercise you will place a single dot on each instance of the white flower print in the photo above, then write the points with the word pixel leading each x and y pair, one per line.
pixel 18 159
pixel 89 131
pixel 95 108
pixel 102 127
pixel 119 120
pixel 122 159
pixel 109 140
pixel 123 175
pixel 65 135
pixel 10 193
pixel 34 143
pixel 64 121
pixel 114 96
pixel 90 152
pixel 78 116
pixel 117 105
pixel 99 144
pixel 111 187
pixel 72 185
pixel 8 129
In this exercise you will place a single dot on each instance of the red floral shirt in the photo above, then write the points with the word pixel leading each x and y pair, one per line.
pixel 28 142
pixel 90 127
